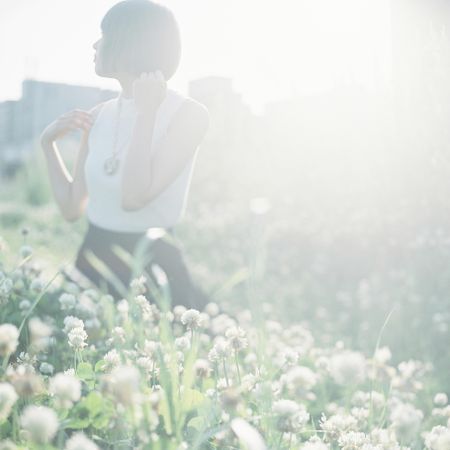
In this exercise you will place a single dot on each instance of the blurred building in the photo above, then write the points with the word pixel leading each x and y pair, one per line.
pixel 231 118
pixel 235 138
pixel 42 102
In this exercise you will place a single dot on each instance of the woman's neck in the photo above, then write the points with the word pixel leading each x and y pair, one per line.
pixel 127 87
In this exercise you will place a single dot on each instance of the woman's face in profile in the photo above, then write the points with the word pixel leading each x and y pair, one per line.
pixel 98 55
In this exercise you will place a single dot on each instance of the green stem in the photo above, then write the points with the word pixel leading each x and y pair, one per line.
pixel 280 440
pixel 237 366
pixel 5 363
pixel 15 431
pixel 225 372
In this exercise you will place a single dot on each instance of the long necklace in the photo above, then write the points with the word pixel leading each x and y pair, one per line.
pixel 112 162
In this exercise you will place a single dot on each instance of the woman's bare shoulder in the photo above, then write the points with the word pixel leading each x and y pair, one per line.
pixel 195 105
pixel 193 113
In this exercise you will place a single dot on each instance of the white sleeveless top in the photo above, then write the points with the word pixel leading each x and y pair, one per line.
pixel 104 193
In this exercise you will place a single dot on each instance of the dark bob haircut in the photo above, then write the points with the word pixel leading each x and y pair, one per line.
pixel 140 36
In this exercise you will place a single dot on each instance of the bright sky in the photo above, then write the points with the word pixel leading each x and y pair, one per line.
pixel 271 49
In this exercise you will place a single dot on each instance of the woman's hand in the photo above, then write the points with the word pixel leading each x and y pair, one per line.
pixel 70 121
pixel 149 90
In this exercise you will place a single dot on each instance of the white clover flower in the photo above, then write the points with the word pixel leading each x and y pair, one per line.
pixel 66 389
pixel 299 338
pixel 146 363
pixel 220 323
pixel 440 399
pixel 438 438
pixel 384 438
pixel 151 347
pixel 8 397
pixel 40 423
pixel 9 339
pixel 222 383
pixel 352 440
pixel 67 301
pixel 249 381
pixel 237 338
pixel 118 335
pixel 299 377
pixel 191 318
pixel 285 407
pixel 383 355
pixel 71 288
pixel 147 313
pixel 77 338
pixel 112 358
pixel 72 322
pixel 220 350
pixel 25 250
pixel 363 399
pixel 138 284
pixel 40 334
pixel 6 286
pixel 182 343
pixel 337 424
pixel 92 294
pixel 178 311
pixel 46 368
pixel 378 400
pixel 348 367
pixel 202 368
pixel 291 417
pixel 212 309
pixel 36 285
pixel 213 356
pixel 27 360
pixel 24 305
pixel 123 307
pixel 289 357
pixel 79 441
pixel 124 384
pixel 210 393
pixel 315 443
pixel 159 274
pixel 406 420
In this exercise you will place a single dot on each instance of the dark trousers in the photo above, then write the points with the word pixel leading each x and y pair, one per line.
pixel 162 251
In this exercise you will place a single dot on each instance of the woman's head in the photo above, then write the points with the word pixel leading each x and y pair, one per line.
pixel 138 36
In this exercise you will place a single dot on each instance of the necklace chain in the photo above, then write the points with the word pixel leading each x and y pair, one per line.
pixel 112 162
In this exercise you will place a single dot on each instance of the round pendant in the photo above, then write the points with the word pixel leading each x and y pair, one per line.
pixel 111 165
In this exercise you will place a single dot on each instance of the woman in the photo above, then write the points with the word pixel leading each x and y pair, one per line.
pixel 136 155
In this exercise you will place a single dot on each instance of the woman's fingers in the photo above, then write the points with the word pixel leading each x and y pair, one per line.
pixel 156 75
pixel 77 121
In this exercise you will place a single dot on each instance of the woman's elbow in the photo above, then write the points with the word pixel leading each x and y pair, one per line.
pixel 72 214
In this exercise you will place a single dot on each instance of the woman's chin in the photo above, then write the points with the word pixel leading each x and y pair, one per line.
pixel 99 72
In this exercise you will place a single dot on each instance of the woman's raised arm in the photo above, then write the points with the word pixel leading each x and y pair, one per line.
pixel 69 192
